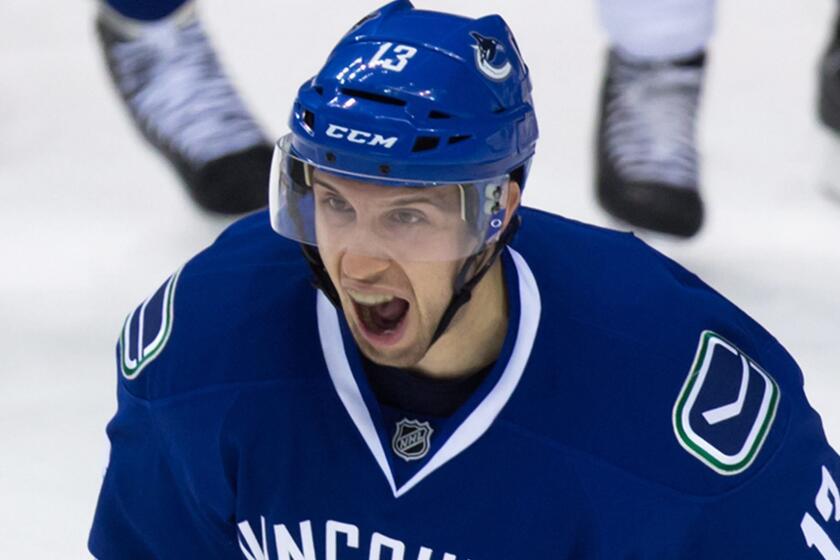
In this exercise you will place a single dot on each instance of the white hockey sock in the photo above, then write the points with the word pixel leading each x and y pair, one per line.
pixel 658 29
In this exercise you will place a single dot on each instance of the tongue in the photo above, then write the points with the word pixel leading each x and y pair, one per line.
pixel 391 311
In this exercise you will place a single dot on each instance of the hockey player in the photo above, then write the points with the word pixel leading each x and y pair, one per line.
pixel 471 379
pixel 167 74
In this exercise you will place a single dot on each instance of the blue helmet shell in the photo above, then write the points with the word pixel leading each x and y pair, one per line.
pixel 414 95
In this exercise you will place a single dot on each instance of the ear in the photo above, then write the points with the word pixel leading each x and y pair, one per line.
pixel 514 196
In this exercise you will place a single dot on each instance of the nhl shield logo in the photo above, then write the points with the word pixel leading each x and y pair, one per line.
pixel 412 439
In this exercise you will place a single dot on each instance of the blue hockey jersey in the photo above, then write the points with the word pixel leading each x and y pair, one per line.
pixel 633 413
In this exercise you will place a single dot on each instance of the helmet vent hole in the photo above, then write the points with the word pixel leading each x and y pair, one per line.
pixel 370 96
pixel 319 90
pixel 459 138
pixel 425 143
pixel 439 115
pixel 330 157
pixel 499 110
pixel 309 120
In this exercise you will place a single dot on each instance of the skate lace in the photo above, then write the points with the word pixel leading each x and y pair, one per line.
pixel 173 83
pixel 650 122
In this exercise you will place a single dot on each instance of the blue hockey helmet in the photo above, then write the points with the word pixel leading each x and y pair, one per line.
pixel 412 98
pixel 418 95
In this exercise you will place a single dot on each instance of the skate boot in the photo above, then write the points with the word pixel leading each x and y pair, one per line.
pixel 647 163
pixel 169 77
pixel 829 88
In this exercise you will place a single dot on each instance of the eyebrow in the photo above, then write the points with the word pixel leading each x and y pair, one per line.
pixel 407 199
pixel 325 185
pixel 418 199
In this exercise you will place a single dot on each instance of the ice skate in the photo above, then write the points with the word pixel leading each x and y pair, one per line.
pixel 169 77
pixel 647 162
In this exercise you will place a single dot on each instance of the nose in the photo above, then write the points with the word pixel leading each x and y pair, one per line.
pixel 364 268
pixel 364 257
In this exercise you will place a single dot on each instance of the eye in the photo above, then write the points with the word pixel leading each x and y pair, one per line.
pixel 337 204
pixel 407 217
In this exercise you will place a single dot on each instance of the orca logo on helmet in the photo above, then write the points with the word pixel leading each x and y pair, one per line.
pixel 486 50
pixel 360 136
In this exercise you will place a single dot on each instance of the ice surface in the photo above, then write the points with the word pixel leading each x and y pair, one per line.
pixel 91 222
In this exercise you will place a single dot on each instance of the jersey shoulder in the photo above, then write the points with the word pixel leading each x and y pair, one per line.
pixel 237 312
pixel 615 282
pixel 672 381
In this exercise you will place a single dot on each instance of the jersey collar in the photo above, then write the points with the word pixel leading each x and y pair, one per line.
pixel 474 418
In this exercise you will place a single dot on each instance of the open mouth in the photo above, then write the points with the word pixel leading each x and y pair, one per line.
pixel 382 317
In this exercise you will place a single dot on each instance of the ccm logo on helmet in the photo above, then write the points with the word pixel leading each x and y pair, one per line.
pixel 360 136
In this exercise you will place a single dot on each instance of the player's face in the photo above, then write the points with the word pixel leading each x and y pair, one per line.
pixel 392 254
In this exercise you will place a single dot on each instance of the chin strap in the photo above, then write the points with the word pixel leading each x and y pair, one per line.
pixel 462 291
pixel 463 288
pixel 321 280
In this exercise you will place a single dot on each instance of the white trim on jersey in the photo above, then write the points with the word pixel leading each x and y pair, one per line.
pixel 345 384
pixel 476 423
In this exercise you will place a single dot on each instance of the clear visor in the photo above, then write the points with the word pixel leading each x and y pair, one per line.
pixel 390 219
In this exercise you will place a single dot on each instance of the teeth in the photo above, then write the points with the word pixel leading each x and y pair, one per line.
pixel 369 299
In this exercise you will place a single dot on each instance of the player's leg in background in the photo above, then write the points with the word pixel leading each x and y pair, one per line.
pixel 167 73
pixel 647 165
pixel 828 108
pixel 145 10
pixel 828 104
